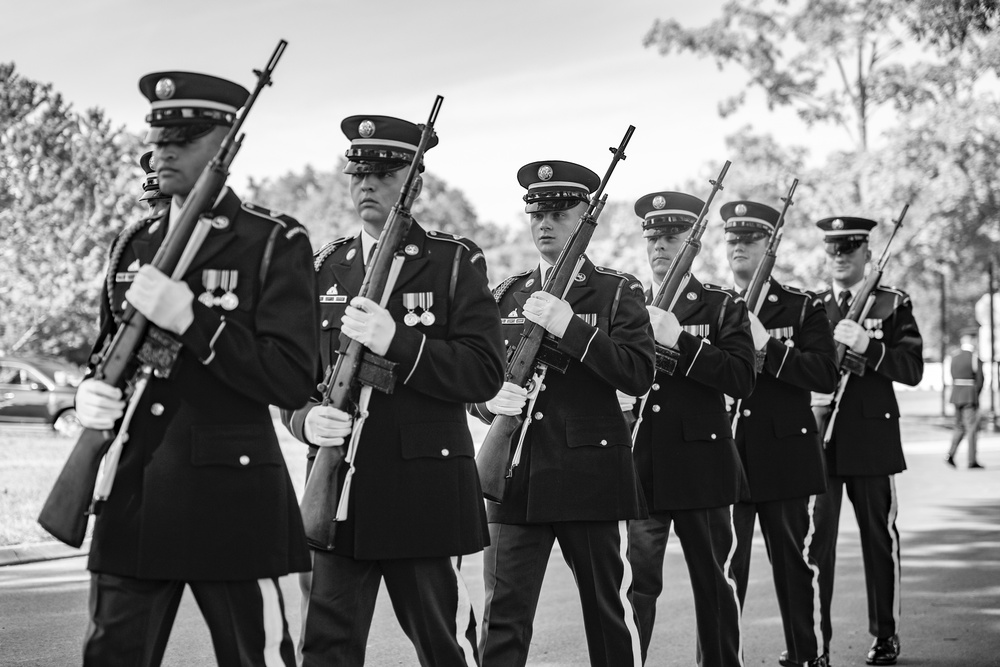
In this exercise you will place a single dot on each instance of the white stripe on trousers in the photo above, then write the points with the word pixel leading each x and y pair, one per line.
pixel 814 567
pixel 274 623
pixel 463 614
pixel 627 610
pixel 894 541
pixel 727 572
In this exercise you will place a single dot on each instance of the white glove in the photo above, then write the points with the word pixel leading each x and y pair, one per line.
pixel 666 328
pixel 625 401
pixel 98 404
pixel 164 302
pixel 760 334
pixel 326 426
pixel 510 401
pixel 730 402
pixel 549 312
pixel 370 324
pixel 851 334
pixel 819 400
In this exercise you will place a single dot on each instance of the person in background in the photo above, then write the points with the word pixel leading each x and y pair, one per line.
pixel 966 385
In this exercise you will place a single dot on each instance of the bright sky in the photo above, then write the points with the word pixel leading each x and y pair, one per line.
pixel 522 81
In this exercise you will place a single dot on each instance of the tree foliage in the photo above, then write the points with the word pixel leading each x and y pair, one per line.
pixel 68 183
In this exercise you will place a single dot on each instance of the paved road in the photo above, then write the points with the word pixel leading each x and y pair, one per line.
pixel 949 522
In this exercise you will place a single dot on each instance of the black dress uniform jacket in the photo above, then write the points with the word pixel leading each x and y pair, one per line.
pixel 684 449
pixel 576 463
pixel 776 434
pixel 202 492
pixel 866 437
pixel 415 492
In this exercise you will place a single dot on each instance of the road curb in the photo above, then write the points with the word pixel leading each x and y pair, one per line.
pixel 19 554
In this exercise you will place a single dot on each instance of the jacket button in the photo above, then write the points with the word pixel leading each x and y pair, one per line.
pixel 604 443
pixel 656 386
pixel 124 305
pixel 542 388
pixel 538 416
pixel 655 408
pixel 713 436
pixel 445 452
pixel 804 430
pixel 156 409
pixel 326 323
pixel 887 415
pixel 746 413
pixel 244 460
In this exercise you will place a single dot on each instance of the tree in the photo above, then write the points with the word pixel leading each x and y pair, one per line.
pixel 68 183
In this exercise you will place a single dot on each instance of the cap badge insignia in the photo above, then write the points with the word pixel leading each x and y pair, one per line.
pixel 741 209
pixel 411 250
pixel 545 172
pixel 366 129
pixel 579 277
pixel 531 281
pixel 659 201
pixel 351 253
pixel 220 222
pixel 691 296
pixel 837 224
pixel 165 88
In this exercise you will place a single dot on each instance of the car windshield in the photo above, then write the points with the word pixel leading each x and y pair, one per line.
pixel 62 373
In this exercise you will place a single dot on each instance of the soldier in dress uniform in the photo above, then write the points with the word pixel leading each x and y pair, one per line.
pixel 415 500
pixel 156 200
pixel 575 482
pixel 202 496
pixel 865 451
pixel 684 449
pixel 777 437
pixel 966 385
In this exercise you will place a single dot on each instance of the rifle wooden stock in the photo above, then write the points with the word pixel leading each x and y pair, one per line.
pixel 495 455
pixel 856 312
pixel 322 490
pixel 65 511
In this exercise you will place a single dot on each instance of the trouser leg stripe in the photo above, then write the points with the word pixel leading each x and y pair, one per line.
pixel 894 541
pixel 814 567
pixel 463 614
pixel 628 611
pixel 728 571
pixel 274 622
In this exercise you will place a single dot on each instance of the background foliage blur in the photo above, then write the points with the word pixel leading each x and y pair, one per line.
pixel 910 86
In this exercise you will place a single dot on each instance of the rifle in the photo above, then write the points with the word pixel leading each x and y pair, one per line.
pixel 528 363
pixel 137 351
pixel 760 283
pixel 674 281
pixel 349 380
pixel 847 360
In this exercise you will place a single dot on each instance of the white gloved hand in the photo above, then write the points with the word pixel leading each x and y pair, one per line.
pixel 327 426
pixel 820 400
pixel 370 324
pixel 164 302
pixel 851 334
pixel 549 312
pixel 758 331
pixel 510 401
pixel 625 401
pixel 98 404
pixel 666 328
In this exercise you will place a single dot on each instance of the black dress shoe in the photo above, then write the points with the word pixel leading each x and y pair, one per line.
pixel 976 465
pixel 884 651
pixel 950 461
pixel 822 661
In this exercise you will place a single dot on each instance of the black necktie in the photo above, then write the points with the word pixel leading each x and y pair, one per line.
pixel 371 253
pixel 845 300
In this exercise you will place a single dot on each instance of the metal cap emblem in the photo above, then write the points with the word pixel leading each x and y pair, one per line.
pixel 837 224
pixel 545 172
pixel 741 209
pixel 165 88
pixel 366 129
pixel 659 201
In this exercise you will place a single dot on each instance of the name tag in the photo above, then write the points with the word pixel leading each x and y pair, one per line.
pixel 511 320
pixel 125 276
pixel 327 298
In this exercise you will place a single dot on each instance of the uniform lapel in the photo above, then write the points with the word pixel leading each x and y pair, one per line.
pixel 223 231
pixel 414 249
pixel 528 287
pixel 347 266
pixel 145 243
pixel 580 289
pixel 689 302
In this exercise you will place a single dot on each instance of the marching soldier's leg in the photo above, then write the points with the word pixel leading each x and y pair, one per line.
pixel 824 549
pixel 597 552
pixel 956 437
pixel 647 543
pixel 513 569
pixel 247 622
pixel 875 505
pixel 789 528
pixel 971 415
pixel 706 537
pixel 130 620
pixel 432 604
pixel 744 516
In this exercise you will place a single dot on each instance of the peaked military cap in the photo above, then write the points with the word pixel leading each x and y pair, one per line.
pixel 188 105
pixel 150 182
pixel 381 144
pixel 749 217
pixel 845 234
pixel 556 185
pixel 667 213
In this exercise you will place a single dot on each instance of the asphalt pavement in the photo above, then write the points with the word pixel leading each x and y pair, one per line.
pixel 949 522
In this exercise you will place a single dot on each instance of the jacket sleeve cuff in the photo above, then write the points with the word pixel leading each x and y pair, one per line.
pixel 200 338
pixel 577 339
pixel 406 349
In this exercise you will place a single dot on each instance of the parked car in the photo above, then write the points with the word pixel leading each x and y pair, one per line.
pixel 39 390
